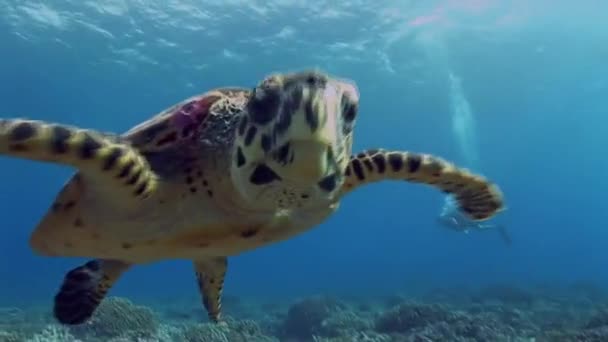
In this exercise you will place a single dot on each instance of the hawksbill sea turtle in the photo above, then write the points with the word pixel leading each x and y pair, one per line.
pixel 219 173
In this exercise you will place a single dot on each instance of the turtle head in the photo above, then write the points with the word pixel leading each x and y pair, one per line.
pixel 294 139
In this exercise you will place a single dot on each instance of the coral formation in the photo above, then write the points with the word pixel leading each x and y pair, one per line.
pixel 497 314
pixel 116 318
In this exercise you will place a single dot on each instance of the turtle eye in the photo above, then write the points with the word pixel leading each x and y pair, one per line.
pixel 349 109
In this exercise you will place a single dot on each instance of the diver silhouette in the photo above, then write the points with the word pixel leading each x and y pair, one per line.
pixel 452 218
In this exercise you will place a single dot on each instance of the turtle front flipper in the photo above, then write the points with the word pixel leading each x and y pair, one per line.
pixel 83 289
pixel 478 198
pixel 210 274
pixel 101 157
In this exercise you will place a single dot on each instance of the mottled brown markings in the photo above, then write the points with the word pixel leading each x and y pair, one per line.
pixel 282 123
pixel 69 205
pixel 135 177
pixel 395 160
pixel 380 162
pixel 311 118
pixel 328 183
pixel 151 132
pixel 265 143
pixel 210 193
pixel 263 174
pixel 413 162
pixel 59 141
pixel 126 169
pixel 88 146
pixel 251 132
pixel 188 130
pixel 358 169
pixel 187 107
pixel 282 154
pixel 56 206
pixel 264 105
pixel 248 233
pixel 126 245
pixel 242 125
pixel 112 158
pixel 240 157
pixel 141 188
pixel 436 167
pixel 22 131
pixel 193 190
pixel 167 139
pixel 189 180
pixel 368 164
pixel 292 103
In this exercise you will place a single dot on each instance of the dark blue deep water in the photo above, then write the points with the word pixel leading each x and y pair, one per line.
pixel 515 90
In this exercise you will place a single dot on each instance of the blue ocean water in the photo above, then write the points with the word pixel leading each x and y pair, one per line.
pixel 515 90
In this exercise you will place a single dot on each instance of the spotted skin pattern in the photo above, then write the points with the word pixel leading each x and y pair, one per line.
pixel 104 157
pixel 178 124
pixel 298 130
pixel 83 289
pixel 478 199
pixel 210 275
pixel 215 175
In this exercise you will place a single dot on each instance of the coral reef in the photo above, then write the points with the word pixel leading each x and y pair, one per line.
pixel 304 318
pixel 118 318
pixel 496 313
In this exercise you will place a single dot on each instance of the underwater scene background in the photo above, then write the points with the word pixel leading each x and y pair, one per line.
pixel 514 90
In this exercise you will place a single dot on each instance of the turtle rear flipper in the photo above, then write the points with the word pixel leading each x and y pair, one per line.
pixel 83 289
pixel 100 157
pixel 210 274
pixel 477 198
